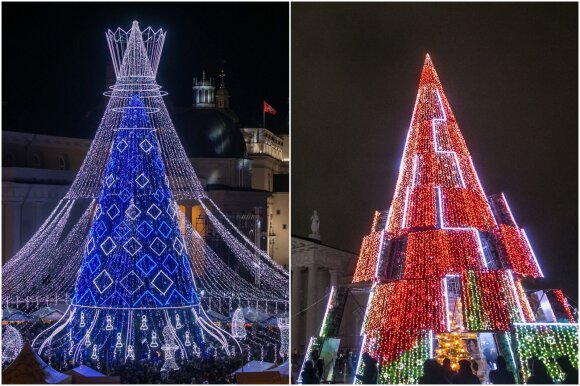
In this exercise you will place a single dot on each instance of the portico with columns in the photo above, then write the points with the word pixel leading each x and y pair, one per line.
pixel 315 269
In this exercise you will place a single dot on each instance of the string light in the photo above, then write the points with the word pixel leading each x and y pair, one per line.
pixel 368 257
pixel 11 344
pixel 239 324
pixel 139 258
pixel 546 342
pixel 518 252
pixel 563 303
pixel 283 326
pixel 444 241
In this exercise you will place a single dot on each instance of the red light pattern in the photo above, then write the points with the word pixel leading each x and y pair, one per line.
pixel 483 297
pixel 422 209
pixel 436 156
pixel 518 252
pixel 438 212
pixel 465 208
pixel 368 257
pixel 392 343
pixel 407 305
pixel 437 253
pixel 559 296
pixel 526 308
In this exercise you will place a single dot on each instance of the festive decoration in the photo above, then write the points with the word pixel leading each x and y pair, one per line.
pixel 369 254
pixel 451 346
pixel 518 251
pixel 407 305
pixel 169 348
pixel 523 300
pixel 546 342
pixel 239 324
pixel 408 367
pixel 47 266
pixel 283 326
pixel 11 344
pixel 122 253
pixel 449 261
pixel 440 252
pixel 560 305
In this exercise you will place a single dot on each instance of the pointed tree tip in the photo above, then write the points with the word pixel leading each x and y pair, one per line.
pixel 428 61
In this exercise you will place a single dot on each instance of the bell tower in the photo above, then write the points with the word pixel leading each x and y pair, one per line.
pixel 203 92
pixel 222 98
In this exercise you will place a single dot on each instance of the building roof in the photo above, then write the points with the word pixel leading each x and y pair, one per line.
pixel 28 367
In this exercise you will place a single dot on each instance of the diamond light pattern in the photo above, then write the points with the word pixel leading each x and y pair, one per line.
pixel 140 244
pixel 146 264
pixel 130 267
pixel 154 211
pixel 131 282
pixel 162 282
pixel 103 281
pixel 132 246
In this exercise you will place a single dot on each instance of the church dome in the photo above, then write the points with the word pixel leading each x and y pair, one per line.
pixel 209 133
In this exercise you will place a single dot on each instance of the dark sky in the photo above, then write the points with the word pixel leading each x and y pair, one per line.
pixel 510 72
pixel 55 57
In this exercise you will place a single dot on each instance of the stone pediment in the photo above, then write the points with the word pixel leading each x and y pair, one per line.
pixel 306 252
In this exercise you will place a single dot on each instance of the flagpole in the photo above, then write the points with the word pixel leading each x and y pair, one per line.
pixel 263 116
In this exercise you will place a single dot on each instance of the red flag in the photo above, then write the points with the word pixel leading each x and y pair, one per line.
pixel 269 109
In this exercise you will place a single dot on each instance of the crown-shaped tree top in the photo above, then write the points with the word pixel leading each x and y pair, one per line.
pixel 136 53
pixel 437 186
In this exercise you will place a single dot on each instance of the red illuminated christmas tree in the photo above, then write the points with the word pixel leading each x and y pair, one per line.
pixel 446 259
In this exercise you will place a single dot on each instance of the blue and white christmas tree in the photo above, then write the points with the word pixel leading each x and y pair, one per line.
pixel 135 294
pixel 133 267
pixel 135 257
pixel 136 278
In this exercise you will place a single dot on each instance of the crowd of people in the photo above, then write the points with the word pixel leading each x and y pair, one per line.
pixel 210 369
pixel 435 373
pixel 199 371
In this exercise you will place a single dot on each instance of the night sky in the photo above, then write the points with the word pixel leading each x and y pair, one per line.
pixel 510 73
pixel 55 57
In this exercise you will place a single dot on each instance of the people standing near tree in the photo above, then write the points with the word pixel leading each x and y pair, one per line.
pixel 539 373
pixel 465 374
pixel 309 375
pixel 371 372
pixel 350 362
pixel 447 370
pixel 318 363
pixel 571 373
pixel 501 375
pixel 433 373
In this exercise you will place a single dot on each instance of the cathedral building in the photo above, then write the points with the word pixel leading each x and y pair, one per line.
pixel 244 170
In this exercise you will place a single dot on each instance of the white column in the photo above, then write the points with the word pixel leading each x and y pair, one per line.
pixel 297 332
pixel 333 277
pixel 311 315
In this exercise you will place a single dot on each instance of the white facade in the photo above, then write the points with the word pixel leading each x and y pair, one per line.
pixel 315 268
pixel 270 157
